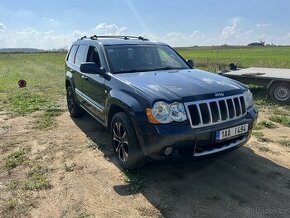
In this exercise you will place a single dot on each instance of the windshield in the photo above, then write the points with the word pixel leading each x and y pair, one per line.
pixel 140 58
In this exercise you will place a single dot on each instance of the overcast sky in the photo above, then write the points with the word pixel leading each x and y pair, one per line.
pixel 56 23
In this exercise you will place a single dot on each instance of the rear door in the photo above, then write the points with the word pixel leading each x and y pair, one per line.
pixel 71 67
pixel 78 76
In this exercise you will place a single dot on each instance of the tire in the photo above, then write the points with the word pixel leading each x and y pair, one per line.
pixel 124 142
pixel 280 92
pixel 73 107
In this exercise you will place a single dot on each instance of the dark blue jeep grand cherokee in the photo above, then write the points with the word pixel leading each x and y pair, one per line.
pixel 152 101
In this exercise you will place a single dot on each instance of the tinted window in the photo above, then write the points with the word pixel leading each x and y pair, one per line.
pixel 168 58
pixel 93 56
pixel 80 56
pixel 138 58
pixel 72 54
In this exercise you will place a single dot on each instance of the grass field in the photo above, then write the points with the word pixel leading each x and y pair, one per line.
pixel 218 58
pixel 44 74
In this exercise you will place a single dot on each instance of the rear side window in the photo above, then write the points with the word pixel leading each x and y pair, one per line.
pixel 72 54
pixel 80 56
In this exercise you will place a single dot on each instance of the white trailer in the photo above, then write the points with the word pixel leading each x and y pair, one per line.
pixel 275 80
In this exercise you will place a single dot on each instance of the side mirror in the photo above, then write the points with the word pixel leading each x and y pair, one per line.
pixel 190 63
pixel 92 68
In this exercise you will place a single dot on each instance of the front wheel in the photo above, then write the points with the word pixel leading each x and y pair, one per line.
pixel 125 143
pixel 280 92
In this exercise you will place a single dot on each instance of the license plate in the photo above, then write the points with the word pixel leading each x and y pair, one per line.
pixel 234 131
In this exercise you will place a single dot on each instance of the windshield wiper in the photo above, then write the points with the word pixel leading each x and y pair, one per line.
pixel 168 68
pixel 146 70
pixel 133 71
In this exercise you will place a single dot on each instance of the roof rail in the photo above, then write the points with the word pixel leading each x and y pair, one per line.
pixel 83 37
pixel 95 37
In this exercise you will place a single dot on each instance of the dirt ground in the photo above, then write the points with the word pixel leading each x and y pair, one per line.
pixel 85 181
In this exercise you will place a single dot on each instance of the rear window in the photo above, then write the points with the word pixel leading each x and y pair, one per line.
pixel 80 56
pixel 72 54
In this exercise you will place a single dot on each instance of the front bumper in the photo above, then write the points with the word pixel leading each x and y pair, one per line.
pixel 185 141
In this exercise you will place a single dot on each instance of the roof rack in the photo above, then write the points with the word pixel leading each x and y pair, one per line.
pixel 95 37
pixel 83 37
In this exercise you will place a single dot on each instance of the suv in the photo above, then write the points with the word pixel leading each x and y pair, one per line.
pixel 153 102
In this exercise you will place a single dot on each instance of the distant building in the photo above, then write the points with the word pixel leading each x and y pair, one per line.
pixel 261 43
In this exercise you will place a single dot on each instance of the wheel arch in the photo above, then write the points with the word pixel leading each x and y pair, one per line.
pixel 120 101
pixel 276 81
pixel 114 109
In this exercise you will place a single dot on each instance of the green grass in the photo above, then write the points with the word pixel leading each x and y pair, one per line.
pixel 37 180
pixel 14 159
pixel 46 120
pixel 260 136
pixel 262 101
pixel 284 120
pixel 265 124
pixel 218 58
pixel 44 74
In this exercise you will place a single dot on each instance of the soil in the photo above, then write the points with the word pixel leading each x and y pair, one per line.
pixel 253 180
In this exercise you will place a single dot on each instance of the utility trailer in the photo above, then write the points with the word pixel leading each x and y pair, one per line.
pixel 275 80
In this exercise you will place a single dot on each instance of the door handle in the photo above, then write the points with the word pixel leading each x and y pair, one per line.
pixel 84 77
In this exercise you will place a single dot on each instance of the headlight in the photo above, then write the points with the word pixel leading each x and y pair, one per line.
pixel 248 98
pixel 177 112
pixel 166 113
pixel 161 111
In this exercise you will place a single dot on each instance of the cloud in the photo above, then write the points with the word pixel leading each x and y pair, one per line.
pixel 110 29
pixel 177 38
pixel 48 39
pixel 32 38
pixel 50 21
pixel 2 28
pixel 51 38
pixel 231 30
pixel 259 25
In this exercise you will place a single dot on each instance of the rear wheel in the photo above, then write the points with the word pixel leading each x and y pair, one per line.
pixel 125 143
pixel 73 107
pixel 280 92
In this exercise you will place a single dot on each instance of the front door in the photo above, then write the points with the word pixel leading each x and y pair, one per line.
pixel 94 86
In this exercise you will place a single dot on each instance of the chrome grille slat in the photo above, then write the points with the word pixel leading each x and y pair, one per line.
pixel 200 116
pixel 211 109
pixel 228 113
pixel 219 111
pixel 210 112
pixel 235 110
pixel 240 107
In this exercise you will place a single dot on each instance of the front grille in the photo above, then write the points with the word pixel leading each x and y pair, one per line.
pixel 214 111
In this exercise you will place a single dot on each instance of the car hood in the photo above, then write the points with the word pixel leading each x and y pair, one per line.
pixel 182 84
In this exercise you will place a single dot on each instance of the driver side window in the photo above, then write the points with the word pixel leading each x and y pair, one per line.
pixel 93 56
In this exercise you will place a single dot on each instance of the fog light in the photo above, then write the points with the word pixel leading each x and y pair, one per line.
pixel 168 151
